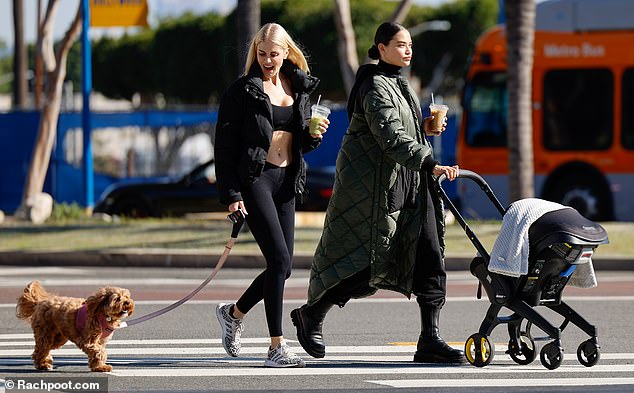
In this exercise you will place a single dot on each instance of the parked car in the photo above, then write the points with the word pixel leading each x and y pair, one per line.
pixel 195 192
pixel 319 183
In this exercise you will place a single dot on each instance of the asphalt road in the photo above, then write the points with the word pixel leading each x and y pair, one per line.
pixel 370 341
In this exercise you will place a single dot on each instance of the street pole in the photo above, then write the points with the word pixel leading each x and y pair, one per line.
pixel 86 88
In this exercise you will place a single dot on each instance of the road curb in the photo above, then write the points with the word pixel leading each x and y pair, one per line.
pixel 155 258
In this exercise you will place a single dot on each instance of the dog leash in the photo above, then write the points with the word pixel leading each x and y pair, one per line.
pixel 237 218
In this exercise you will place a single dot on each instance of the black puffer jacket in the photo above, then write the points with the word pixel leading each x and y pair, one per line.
pixel 245 127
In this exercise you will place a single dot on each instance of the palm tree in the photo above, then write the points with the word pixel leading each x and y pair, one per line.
pixel 520 34
pixel 346 46
pixel 19 56
pixel 248 20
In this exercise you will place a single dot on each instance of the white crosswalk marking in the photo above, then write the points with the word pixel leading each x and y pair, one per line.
pixel 206 358
pixel 503 382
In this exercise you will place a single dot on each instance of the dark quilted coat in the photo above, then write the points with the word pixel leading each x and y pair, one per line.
pixel 375 214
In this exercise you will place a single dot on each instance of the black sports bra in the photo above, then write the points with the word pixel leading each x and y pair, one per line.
pixel 283 116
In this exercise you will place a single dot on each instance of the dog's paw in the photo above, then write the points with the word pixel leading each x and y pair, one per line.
pixel 44 367
pixel 104 368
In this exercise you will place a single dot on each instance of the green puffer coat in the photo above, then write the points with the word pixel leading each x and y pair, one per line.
pixel 376 211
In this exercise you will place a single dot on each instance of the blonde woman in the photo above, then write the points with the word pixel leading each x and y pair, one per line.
pixel 261 136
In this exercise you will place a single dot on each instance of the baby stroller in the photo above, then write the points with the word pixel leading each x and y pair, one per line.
pixel 559 242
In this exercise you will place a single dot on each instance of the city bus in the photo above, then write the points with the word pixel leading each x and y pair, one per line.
pixel 582 111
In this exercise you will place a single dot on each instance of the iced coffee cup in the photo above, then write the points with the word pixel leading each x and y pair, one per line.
pixel 439 111
pixel 317 114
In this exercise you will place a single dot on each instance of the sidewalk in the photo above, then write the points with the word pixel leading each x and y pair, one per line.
pixel 182 259
pixel 241 258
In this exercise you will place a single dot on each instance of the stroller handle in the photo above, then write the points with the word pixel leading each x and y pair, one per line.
pixel 479 180
pixel 464 173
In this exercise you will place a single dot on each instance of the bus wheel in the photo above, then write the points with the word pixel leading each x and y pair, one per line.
pixel 586 193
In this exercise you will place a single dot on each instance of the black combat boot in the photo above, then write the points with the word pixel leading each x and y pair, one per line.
pixel 309 321
pixel 431 347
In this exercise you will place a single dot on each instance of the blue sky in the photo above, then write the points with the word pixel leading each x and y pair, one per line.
pixel 158 8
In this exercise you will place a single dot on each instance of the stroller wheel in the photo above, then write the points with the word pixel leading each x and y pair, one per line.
pixel 479 350
pixel 588 353
pixel 551 356
pixel 526 352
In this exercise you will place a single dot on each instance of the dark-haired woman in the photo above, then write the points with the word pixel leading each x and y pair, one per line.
pixel 384 225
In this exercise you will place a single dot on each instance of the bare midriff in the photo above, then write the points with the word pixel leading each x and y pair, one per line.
pixel 280 153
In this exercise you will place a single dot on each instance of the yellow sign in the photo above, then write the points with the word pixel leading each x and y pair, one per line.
pixel 111 13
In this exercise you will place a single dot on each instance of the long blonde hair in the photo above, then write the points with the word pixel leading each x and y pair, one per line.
pixel 277 35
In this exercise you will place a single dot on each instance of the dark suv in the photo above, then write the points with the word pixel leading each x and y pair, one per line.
pixel 195 192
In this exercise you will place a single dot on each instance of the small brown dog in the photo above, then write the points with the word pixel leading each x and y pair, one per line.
pixel 88 323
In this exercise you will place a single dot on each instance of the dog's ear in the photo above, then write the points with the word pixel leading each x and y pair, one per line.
pixel 96 301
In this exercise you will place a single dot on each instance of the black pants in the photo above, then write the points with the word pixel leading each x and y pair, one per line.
pixel 430 278
pixel 270 202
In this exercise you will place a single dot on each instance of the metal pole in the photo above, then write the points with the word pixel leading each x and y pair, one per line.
pixel 86 88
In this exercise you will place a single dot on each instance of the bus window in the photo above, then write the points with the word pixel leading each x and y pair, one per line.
pixel 486 101
pixel 577 109
pixel 628 109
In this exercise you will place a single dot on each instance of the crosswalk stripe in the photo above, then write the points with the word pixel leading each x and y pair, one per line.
pixel 15 336
pixel 211 341
pixel 488 382
pixel 70 349
pixel 379 351
pixel 183 358
pixel 501 365
pixel 396 369
pixel 250 346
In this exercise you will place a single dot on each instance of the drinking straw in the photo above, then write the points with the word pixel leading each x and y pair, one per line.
pixel 319 98
pixel 432 97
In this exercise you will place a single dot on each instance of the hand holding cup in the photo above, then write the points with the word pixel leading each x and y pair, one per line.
pixel 318 120
pixel 437 122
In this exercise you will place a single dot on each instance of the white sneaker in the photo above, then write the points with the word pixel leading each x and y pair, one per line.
pixel 283 356
pixel 231 329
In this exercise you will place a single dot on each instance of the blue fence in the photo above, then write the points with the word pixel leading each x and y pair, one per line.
pixel 64 181
pixel 18 131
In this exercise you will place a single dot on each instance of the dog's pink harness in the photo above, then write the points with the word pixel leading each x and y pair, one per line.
pixel 82 316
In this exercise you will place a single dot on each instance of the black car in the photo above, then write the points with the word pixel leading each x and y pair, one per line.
pixel 195 192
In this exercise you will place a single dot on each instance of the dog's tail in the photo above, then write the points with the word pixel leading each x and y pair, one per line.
pixel 32 294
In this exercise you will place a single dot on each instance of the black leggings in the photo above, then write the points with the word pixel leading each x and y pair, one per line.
pixel 270 202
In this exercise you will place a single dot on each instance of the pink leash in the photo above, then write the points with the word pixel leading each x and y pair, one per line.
pixel 237 218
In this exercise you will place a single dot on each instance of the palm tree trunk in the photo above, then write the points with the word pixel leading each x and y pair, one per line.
pixel 401 11
pixel 19 57
pixel 248 20
pixel 346 45
pixel 520 31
